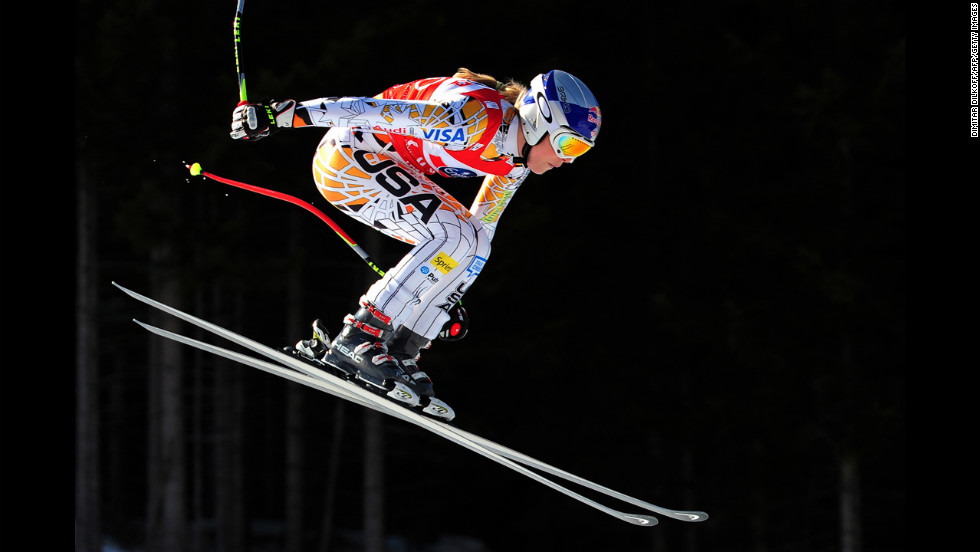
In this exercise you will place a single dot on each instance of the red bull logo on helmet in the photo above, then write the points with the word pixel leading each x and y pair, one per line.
pixel 584 121
pixel 596 119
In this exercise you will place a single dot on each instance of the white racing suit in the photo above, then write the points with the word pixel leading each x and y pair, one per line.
pixel 374 165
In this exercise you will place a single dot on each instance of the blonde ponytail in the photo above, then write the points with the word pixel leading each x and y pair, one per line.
pixel 510 90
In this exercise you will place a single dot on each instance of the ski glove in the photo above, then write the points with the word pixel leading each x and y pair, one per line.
pixel 253 121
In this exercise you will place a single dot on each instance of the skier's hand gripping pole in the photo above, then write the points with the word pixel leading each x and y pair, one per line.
pixel 254 121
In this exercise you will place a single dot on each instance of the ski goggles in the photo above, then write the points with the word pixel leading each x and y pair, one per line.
pixel 568 144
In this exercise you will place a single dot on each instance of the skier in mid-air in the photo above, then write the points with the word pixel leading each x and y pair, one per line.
pixel 374 164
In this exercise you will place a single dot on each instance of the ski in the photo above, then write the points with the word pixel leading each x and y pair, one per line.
pixel 298 371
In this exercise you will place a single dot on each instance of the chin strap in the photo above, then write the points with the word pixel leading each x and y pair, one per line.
pixel 525 153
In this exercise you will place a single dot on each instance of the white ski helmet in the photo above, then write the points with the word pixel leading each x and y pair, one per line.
pixel 560 105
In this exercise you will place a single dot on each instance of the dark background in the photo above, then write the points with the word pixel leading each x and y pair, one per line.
pixel 706 312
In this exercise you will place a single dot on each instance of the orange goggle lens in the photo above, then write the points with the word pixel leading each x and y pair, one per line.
pixel 570 146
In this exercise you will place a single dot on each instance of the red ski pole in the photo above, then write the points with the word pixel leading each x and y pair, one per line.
pixel 196 170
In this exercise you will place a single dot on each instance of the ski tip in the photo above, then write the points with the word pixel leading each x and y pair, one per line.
pixel 195 169
pixel 691 516
pixel 641 520
pixel 125 290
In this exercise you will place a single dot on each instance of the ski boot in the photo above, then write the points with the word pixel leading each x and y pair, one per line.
pixel 405 346
pixel 315 349
pixel 360 349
